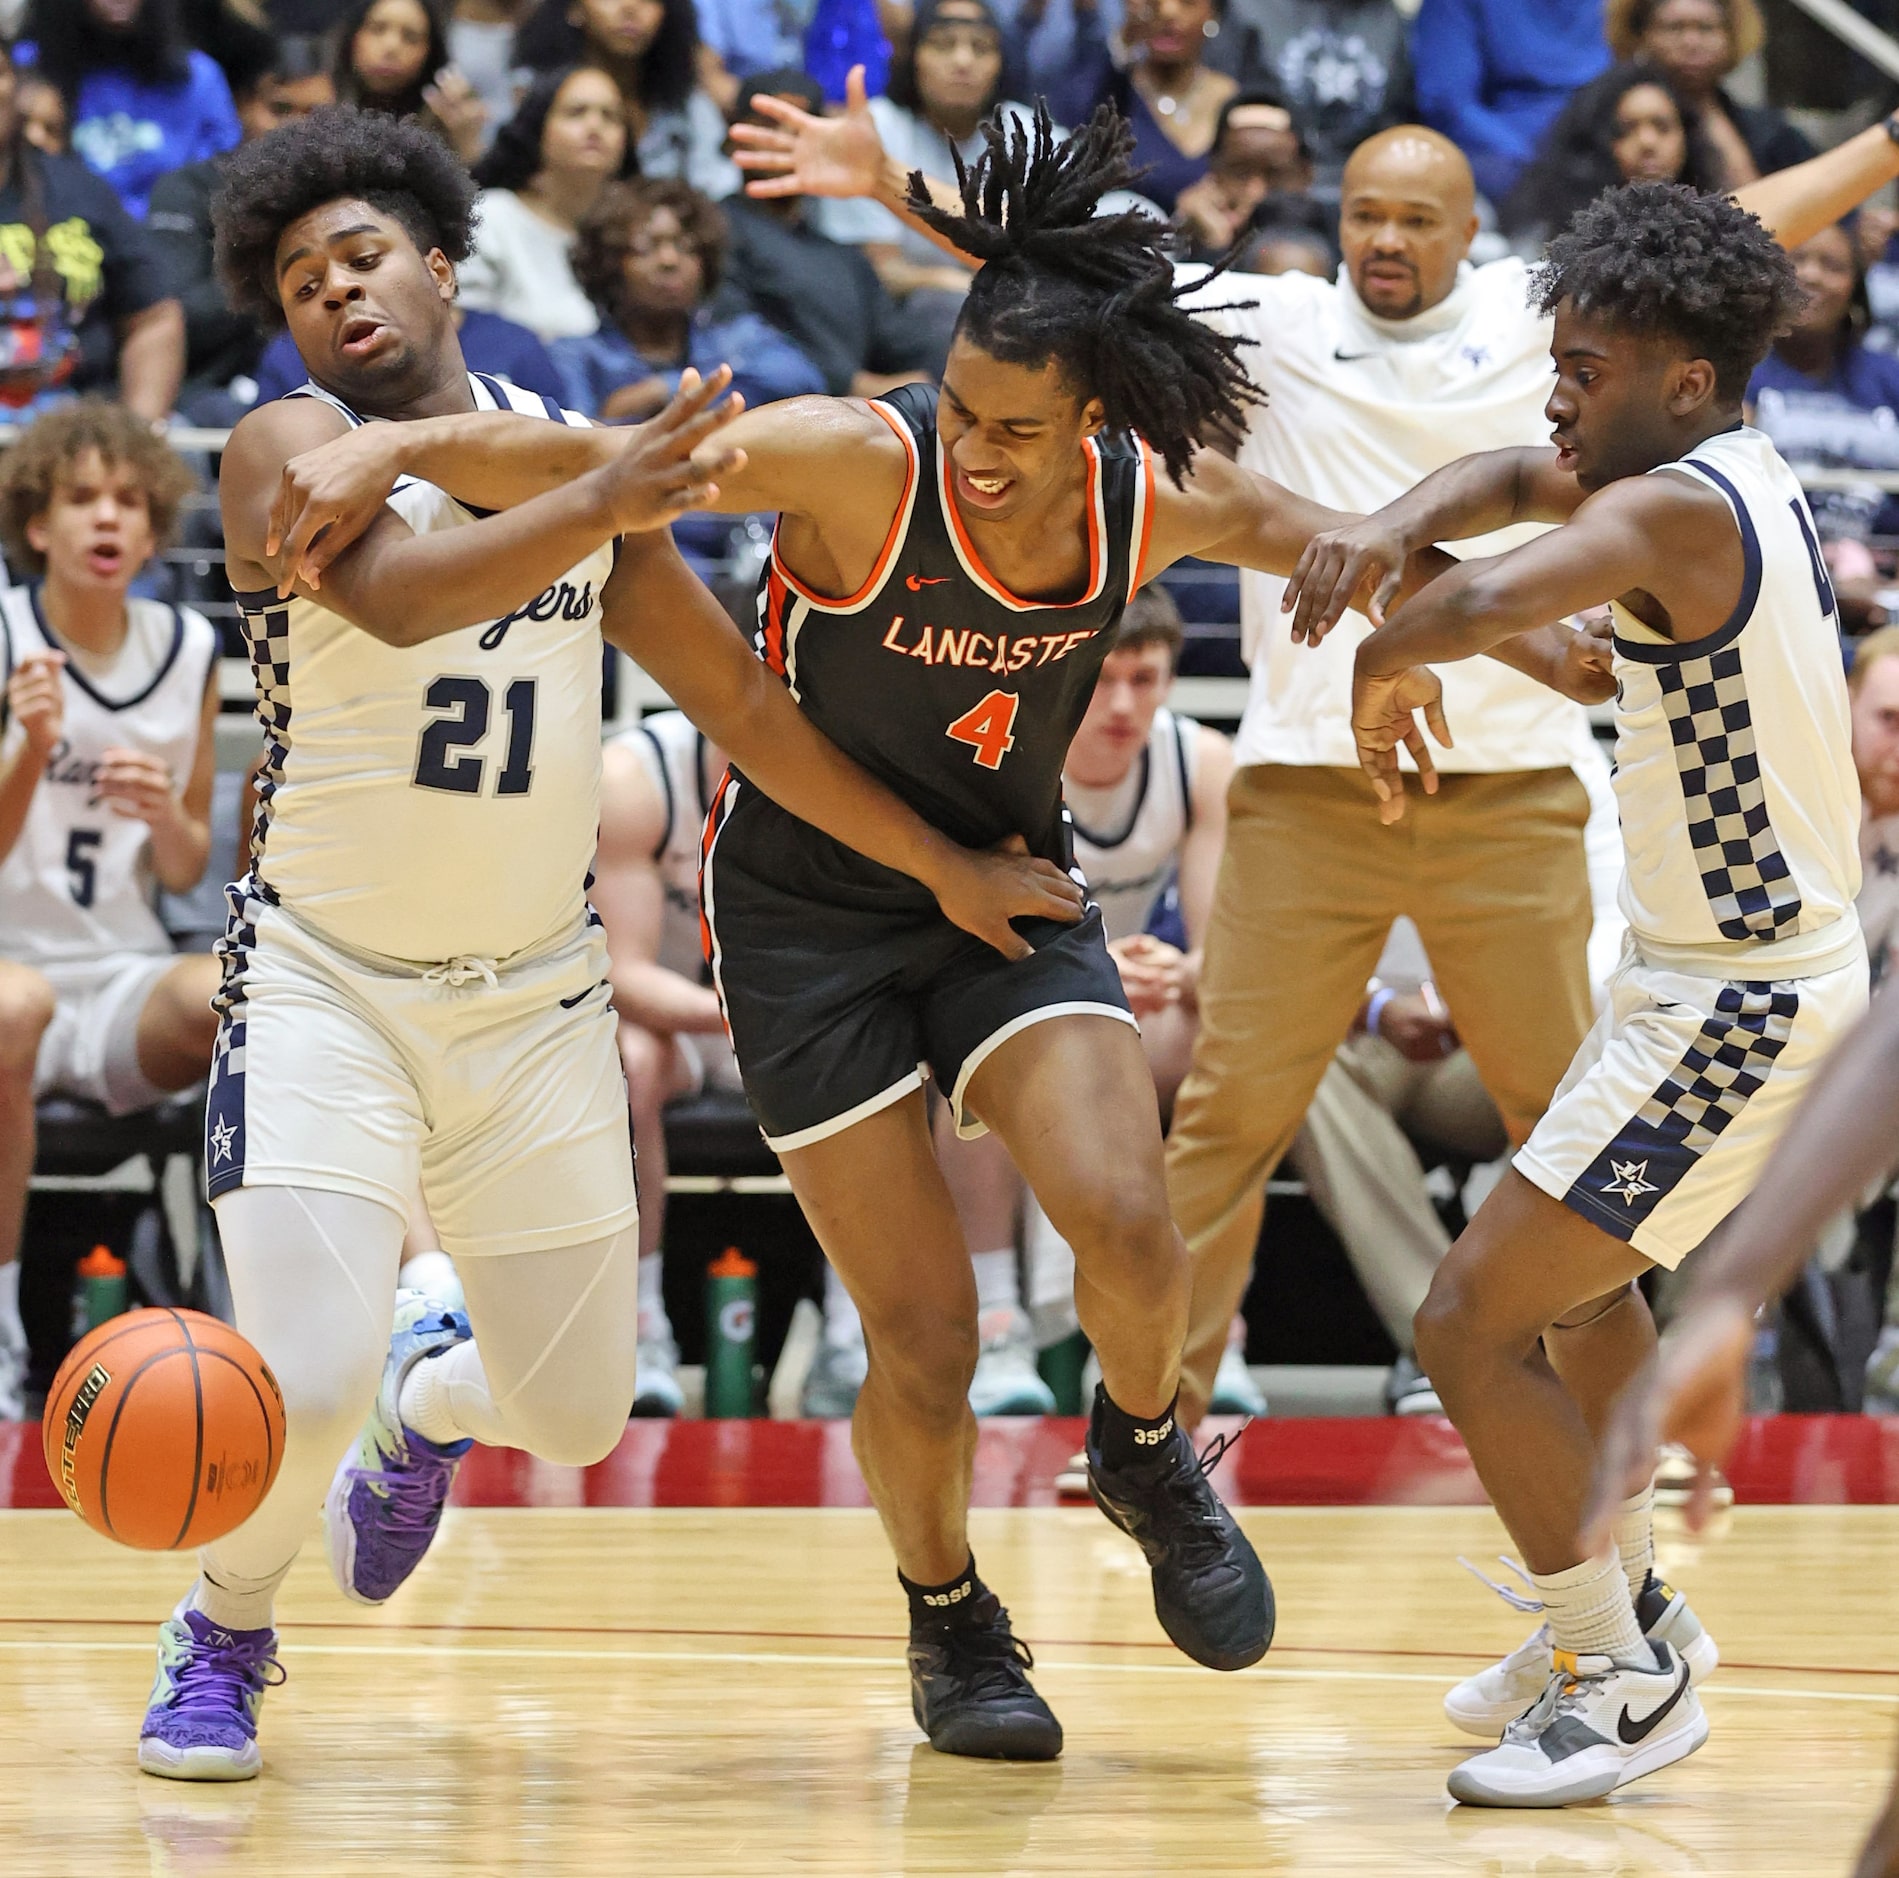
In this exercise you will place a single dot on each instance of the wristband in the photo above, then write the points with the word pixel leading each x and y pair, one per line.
pixel 1376 1008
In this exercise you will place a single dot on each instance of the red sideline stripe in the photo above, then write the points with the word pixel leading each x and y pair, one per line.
pixel 1816 1460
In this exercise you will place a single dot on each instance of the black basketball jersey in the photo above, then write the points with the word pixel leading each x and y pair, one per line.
pixel 939 681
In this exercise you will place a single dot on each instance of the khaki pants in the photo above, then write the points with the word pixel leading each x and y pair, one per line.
pixel 1492 871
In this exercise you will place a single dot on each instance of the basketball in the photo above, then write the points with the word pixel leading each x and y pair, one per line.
pixel 163 1429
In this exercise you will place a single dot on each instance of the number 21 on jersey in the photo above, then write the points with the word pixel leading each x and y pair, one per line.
pixel 988 727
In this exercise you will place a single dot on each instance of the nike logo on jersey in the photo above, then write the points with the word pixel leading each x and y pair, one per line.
pixel 917 582
pixel 580 997
pixel 1351 358
pixel 1633 1731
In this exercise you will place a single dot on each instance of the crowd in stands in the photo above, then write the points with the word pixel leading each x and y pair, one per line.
pixel 617 248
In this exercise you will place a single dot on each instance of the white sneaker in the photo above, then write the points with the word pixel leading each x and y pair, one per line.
pixel 1006 1381
pixel 12 1376
pixel 1595 1727
pixel 1484 1704
pixel 658 1396
pixel 1072 1482
pixel 833 1380
pixel 1234 1390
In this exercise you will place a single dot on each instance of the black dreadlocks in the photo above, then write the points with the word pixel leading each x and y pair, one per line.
pixel 1095 295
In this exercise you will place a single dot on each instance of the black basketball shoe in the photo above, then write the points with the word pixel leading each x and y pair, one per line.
pixel 970 1691
pixel 1211 1593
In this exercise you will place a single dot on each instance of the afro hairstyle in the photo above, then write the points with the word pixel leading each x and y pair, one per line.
pixel 1665 260
pixel 337 152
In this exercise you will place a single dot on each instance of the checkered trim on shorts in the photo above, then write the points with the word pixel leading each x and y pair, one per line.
pixel 224 1103
pixel 1660 1145
pixel 1749 885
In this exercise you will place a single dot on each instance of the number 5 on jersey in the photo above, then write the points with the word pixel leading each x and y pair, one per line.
pixel 988 728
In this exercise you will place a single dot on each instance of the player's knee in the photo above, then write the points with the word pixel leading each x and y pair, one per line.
pixel 579 1434
pixel 27 1003
pixel 926 1356
pixel 1124 1239
pixel 325 1401
pixel 1441 1332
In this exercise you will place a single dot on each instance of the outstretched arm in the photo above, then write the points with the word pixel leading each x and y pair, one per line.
pixel 327 495
pixel 658 612
pixel 1476 495
pixel 1797 203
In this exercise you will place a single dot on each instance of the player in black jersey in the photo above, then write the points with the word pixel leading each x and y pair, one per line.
pixel 945 580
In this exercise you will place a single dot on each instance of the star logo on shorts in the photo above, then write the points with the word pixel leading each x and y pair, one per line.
pixel 222 1136
pixel 1631 1181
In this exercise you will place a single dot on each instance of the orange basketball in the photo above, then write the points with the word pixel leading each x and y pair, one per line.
pixel 163 1429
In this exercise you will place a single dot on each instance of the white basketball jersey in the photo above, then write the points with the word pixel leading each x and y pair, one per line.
pixel 435 801
pixel 680 762
pixel 1734 762
pixel 78 883
pixel 1127 839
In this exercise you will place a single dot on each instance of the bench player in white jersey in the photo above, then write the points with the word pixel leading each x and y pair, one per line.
pixel 105 793
pixel 1740 821
pixel 414 990
pixel 657 783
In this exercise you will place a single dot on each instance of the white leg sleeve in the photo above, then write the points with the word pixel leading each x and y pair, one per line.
pixel 555 1359
pixel 313 1277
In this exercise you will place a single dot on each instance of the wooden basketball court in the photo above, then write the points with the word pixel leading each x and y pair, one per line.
pixel 720 1690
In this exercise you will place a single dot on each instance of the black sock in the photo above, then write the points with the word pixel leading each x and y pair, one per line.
pixel 1126 1440
pixel 946 1603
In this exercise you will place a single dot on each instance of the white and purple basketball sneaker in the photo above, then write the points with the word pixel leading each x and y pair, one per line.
pixel 202 1721
pixel 386 1498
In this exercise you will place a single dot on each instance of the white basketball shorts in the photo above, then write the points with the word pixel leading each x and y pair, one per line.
pixel 1678 1095
pixel 493 1085
pixel 90 1049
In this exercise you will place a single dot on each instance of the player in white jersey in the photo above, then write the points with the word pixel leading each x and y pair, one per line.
pixel 414 990
pixel 105 792
pixel 657 783
pixel 1740 818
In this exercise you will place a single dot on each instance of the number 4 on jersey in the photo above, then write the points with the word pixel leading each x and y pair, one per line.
pixel 988 728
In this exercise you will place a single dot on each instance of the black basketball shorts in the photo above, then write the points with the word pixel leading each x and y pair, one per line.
pixel 839 1010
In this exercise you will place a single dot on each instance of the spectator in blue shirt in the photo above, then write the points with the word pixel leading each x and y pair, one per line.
pixel 1492 75
pixel 650 254
pixel 140 100
pixel 1829 401
pixel 491 345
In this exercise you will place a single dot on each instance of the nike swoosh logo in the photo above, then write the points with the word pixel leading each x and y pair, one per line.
pixel 580 997
pixel 1351 358
pixel 917 582
pixel 1633 1731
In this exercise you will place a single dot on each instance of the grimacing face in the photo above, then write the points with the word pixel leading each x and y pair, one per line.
pixel 366 308
pixel 1013 433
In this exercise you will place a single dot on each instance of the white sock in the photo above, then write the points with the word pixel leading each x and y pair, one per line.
pixel 842 1326
pixel 234 1603
pixel 1635 1538
pixel 654 1323
pixel 422 1403
pixel 997 1287
pixel 1590 1612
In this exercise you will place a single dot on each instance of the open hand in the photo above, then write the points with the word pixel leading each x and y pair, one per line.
pixel 459 111
pixel 1384 720
pixel 799 154
pixel 1694 1394
pixel 983 892
pixel 36 699
pixel 1360 564
pixel 669 465
pixel 137 785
